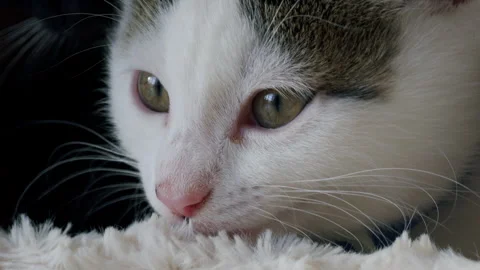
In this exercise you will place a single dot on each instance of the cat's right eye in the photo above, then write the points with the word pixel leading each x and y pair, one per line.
pixel 152 93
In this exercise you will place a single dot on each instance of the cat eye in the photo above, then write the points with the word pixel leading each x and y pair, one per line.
pixel 273 110
pixel 152 93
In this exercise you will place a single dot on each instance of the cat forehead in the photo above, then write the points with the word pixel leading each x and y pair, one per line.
pixel 142 14
pixel 339 45
pixel 349 44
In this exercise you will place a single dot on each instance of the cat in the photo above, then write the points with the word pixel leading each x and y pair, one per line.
pixel 336 120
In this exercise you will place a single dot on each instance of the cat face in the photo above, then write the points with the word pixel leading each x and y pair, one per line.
pixel 311 116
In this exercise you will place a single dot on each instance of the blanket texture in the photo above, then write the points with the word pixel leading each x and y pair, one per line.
pixel 152 244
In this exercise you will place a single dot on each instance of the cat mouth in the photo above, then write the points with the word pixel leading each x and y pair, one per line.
pixel 209 227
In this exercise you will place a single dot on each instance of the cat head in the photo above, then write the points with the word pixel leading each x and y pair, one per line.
pixel 310 116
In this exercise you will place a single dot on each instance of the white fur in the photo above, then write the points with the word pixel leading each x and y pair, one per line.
pixel 152 244
pixel 361 162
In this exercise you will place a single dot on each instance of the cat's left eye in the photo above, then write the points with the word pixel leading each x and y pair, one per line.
pixel 273 110
pixel 152 93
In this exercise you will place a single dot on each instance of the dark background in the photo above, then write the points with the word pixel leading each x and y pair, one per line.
pixel 53 68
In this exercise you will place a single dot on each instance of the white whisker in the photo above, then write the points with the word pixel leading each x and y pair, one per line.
pixel 124 198
pixel 50 168
pixel 75 54
pixel 90 17
pixel 33 38
pixel 82 127
pixel 297 228
pixel 112 158
pixel 116 187
pixel 270 214
pixel 88 69
pixel 66 179
pixel 114 6
pixel 94 146
pixel 356 209
pixel 387 169
pixel 18 29
pixel 326 219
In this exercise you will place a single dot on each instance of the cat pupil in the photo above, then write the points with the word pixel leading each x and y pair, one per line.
pixel 155 83
pixel 274 99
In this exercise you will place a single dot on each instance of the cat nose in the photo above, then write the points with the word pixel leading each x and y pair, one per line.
pixel 185 205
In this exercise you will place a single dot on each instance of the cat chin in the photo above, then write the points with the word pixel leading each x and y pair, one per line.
pixel 189 228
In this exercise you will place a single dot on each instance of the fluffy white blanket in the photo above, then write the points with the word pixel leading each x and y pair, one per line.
pixel 151 244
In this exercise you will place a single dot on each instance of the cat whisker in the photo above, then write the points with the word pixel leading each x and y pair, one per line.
pixel 133 207
pixel 50 43
pixel 114 6
pixel 371 220
pixel 374 183
pixel 109 16
pixel 389 169
pixel 407 206
pixel 34 24
pixel 342 192
pixel 92 170
pixel 273 217
pixel 90 17
pixel 454 180
pixel 410 184
pixel 113 187
pixel 108 153
pixel 376 178
pixel 367 195
pixel 82 127
pixel 456 187
pixel 346 218
pixel 108 175
pixel 88 69
pixel 13 32
pixel 103 149
pixel 75 54
pixel 144 212
pixel 113 157
pixel 31 38
pixel 123 198
pixel 30 35
pixel 52 167
pixel 138 195
pixel 341 209
pixel 384 199
pixel 308 201
pixel 285 224
pixel 11 41
pixel 324 218
pixel 365 185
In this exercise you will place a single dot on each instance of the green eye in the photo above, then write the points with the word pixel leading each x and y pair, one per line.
pixel 152 93
pixel 273 110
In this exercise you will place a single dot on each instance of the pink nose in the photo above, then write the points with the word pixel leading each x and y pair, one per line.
pixel 185 205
